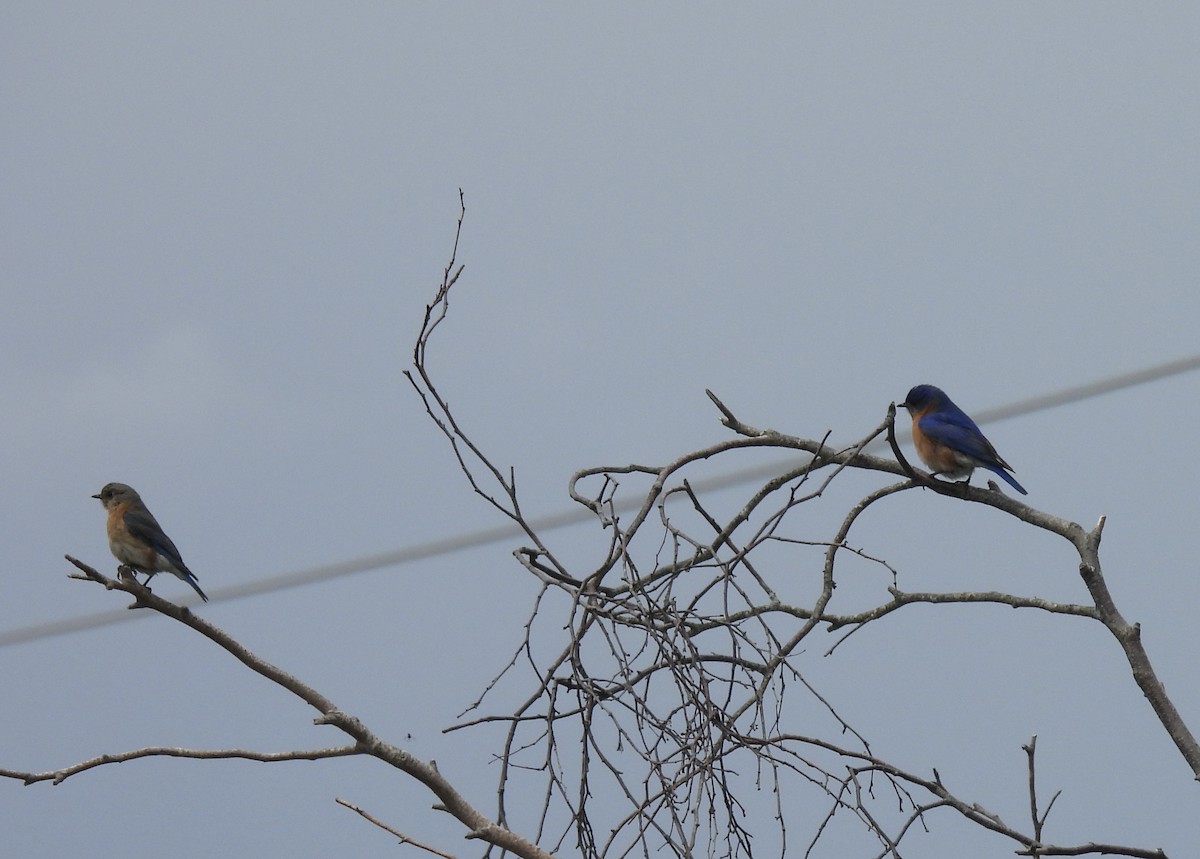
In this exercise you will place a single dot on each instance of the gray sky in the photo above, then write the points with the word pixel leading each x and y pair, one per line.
pixel 221 224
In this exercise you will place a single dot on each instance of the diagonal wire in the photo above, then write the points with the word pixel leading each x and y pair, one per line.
pixel 486 536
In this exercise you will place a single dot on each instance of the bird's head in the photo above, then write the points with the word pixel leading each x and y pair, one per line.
pixel 114 493
pixel 924 397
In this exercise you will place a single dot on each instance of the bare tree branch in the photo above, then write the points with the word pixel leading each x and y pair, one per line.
pixel 680 648
pixel 1087 544
pixel 653 698
pixel 61 775
pixel 404 839
pixel 366 742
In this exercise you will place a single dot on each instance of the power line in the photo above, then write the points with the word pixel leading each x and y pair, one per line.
pixel 486 536
pixel 1090 390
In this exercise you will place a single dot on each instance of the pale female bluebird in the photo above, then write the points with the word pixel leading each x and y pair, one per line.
pixel 136 539
pixel 948 441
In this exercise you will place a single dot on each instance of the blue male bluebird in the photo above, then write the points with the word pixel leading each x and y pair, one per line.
pixel 948 441
pixel 136 538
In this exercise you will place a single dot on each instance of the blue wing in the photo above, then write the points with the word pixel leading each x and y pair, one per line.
pixel 143 526
pixel 952 427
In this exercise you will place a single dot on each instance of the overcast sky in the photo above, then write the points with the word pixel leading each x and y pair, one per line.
pixel 221 223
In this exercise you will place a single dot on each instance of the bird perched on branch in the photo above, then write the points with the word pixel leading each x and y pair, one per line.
pixel 136 538
pixel 948 441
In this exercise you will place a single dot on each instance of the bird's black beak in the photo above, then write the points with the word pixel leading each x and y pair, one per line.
pixel 97 496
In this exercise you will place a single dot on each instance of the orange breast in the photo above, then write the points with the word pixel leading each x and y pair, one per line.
pixel 124 547
pixel 936 456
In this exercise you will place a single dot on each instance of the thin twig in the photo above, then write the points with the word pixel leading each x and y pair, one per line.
pixel 404 839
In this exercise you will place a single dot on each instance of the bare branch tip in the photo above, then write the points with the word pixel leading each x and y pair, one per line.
pixel 729 416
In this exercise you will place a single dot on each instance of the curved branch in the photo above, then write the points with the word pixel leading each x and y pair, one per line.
pixel 1129 636
pixel 366 742
pixel 1087 544
pixel 61 775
